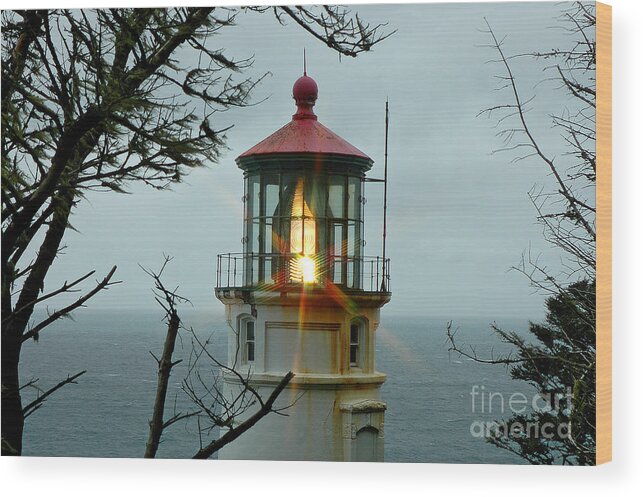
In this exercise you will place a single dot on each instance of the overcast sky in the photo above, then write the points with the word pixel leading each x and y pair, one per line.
pixel 459 216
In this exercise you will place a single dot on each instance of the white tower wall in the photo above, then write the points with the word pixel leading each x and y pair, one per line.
pixel 335 411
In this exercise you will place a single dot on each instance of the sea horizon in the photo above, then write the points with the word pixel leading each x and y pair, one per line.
pixel 429 415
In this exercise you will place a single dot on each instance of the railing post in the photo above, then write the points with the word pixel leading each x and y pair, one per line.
pixel 388 275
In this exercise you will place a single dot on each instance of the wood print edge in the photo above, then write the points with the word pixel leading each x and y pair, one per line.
pixel 604 233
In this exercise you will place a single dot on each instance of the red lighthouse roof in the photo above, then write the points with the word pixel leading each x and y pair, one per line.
pixel 304 134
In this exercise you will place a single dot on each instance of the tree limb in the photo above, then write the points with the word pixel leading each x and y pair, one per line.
pixel 240 429
pixel 37 403
pixel 33 332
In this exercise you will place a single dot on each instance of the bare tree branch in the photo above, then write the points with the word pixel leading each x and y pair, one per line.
pixel 105 283
pixel 237 431
pixel 37 403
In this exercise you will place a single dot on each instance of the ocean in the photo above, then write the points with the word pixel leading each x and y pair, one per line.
pixel 430 415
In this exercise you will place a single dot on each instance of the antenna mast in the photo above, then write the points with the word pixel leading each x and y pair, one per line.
pixel 383 287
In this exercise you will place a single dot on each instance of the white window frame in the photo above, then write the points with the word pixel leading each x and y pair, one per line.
pixel 358 344
pixel 243 344
pixel 249 344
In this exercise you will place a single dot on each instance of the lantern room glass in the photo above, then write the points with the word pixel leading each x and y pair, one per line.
pixel 302 227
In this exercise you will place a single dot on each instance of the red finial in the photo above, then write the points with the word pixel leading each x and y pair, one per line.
pixel 305 92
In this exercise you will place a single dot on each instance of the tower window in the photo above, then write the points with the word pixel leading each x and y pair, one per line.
pixel 354 345
pixel 250 341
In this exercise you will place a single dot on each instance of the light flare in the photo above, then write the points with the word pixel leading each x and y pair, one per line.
pixel 307 266
pixel 303 237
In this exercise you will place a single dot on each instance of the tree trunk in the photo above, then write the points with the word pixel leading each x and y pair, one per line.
pixel 12 416
pixel 14 325
pixel 165 368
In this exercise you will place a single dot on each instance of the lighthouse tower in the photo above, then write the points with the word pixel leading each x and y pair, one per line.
pixel 302 297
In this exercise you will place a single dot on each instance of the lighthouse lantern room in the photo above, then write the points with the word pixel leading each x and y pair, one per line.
pixel 302 296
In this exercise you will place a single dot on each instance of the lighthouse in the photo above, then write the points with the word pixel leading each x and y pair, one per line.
pixel 303 297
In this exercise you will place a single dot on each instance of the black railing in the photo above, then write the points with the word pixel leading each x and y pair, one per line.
pixel 366 273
